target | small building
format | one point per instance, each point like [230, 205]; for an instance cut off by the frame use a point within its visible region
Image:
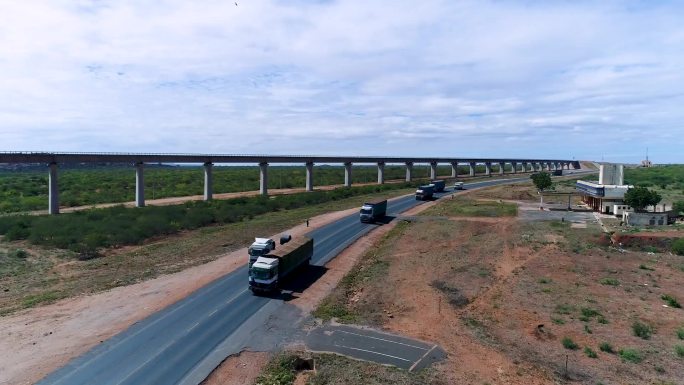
[606, 196]
[645, 219]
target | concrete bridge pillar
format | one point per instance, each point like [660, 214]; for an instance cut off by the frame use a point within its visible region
[381, 172]
[409, 171]
[488, 169]
[514, 167]
[433, 170]
[309, 176]
[454, 169]
[263, 178]
[208, 181]
[472, 168]
[139, 185]
[501, 168]
[53, 190]
[347, 174]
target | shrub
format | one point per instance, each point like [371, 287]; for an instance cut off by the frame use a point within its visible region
[679, 350]
[642, 330]
[631, 355]
[678, 246]
[568, 343]
[602, 320]
[606, 347]
[672, 301]
[680, 333]
[19, 253]
[590, 352]
[610, 281]
[589, 312]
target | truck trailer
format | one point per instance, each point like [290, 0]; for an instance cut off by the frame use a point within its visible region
[425, 192]
[268, 271]
[372, 211]
[439, 185]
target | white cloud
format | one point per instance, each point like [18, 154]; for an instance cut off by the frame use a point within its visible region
[546, 79]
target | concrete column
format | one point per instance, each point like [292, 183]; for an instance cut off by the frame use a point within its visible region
[433, 170]
[139, 185]
[208, 182]
[472, 168]
[454, 169]
[348, 174]
[381, 173]
[309, 176]
[514, 167]
[263, 178]
[488, 169]
[501, 168]
[409, 171]
[53, 190]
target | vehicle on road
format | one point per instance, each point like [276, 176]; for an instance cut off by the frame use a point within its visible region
[557, 172]
[260, 246]
[268, 271]
[373, 211]
[439, 185]
[458, 186]
[425, 192]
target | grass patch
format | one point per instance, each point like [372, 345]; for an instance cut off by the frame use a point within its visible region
[462, 207]
[631, 355]
[642, 330]
[42, 298]
[568, 343]
[606, 347]
[279, 371]
[558, 321]
[453, 294]
[545, 280]
[590, 352]
[610, 282]
[679, 351]
[680, 333]
[644, 267]
[671, 301]
[564, 309]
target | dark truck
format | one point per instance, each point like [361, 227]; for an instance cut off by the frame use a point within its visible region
[557, 172]
[372, 211]
[425, 192]
[268, 271]
[439, 185]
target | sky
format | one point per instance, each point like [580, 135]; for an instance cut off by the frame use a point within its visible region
[594, 80]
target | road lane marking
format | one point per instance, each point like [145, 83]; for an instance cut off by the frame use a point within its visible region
[421, 358]
[381, 339]
[370, 351]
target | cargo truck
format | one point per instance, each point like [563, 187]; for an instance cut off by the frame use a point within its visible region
[439, 185]
[425, 192]
[372, 211]
[268, 271]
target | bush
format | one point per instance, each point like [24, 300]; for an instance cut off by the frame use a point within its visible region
[606, 347]
[18, 253]
[679, 350]
[672, 301]
[631, 355]
[678, 246]
[590, 352]
[642, 330]
[610, 281]
[680, 333]
[568, 343]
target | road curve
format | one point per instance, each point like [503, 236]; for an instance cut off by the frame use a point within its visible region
[165, 347]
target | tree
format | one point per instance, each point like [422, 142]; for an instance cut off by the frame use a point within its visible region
[678, 207]
[641, 197]
[542, 180]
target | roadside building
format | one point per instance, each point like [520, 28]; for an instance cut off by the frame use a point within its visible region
[608, 194]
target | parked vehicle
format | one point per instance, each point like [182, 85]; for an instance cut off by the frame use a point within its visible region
[425, 192]
[260, 246]
[372, 211]
[458, 186]
[439, 185]
[268, 271]
[557, 172]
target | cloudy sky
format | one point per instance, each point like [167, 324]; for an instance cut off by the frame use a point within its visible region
[564, 79]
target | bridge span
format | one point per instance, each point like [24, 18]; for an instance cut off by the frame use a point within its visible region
[53, 159]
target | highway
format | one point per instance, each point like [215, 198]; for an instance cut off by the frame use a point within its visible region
[165, 347]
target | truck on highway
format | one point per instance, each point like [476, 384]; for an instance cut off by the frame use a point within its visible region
[439, 185]
[458, 186]
[268, 271]
[425, 192]
[260, 246]
[557, 172]
[372, 211]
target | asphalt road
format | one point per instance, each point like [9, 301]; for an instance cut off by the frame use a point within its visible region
[165, 347]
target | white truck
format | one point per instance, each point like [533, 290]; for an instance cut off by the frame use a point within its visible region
[458, 186]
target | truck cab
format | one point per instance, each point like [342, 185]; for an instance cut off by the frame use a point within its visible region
[260, 247]
[425, 192]
[263, 274]
[458, 186]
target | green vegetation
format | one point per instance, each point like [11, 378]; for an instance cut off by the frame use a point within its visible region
[568, 343]
[606, 347]
[644, 267]
[590, 352]
[641, 197]
[631, 355]
[678, 207]
[542, 180]
[85, 231]
[678, 246]
[279, 371]
[610, 282]
[672, 301]
[679, 350]
[680, 333]
[642, 330]
[27, 190]
[668, 181]
[462, 207]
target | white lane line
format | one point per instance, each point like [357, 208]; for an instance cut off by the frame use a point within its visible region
[193, 326]
[370, 351]
[421, 358]
[381, 339]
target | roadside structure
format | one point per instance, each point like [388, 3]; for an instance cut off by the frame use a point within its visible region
[608, 195]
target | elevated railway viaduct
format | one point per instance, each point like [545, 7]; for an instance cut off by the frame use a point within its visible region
[52, 160]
